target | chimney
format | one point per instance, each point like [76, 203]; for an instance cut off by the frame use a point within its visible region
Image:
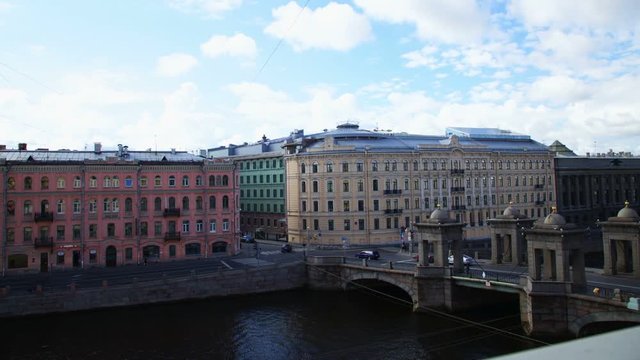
[97, 148]
[22, 146]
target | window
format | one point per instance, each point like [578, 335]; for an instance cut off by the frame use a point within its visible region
[225, 202]
[212, 226]
[128, 205]
[111, 230]
[93, 182]
[303, 168]
[128, 254]
[303, 187]
[128, 182]
[185, 203]
[359, 166]
[374, 166]
[345, 167]
[212, 202]
[27, 183]
[375, 185]
[185, 226]
[347, 224]
[360, 185]
[44, 183]
[144, 228]
[345, 186]
[314, 167]
[329, 167]
[143, 181]
[115, 205]
[330, 205]
[76, 206]
[225, 225]
[225, 180]
[11, 207]
[60, 232]
[199, 226]
[172, 180]
[315, 186]
[60, 206]
[330, 225]
[345, 205]
[157, 228]
[60, 258]
[27, 233]
[128, 229]
[93, 206]
[157, 181]
[198, 180]
[329, 186]
[172, 251]
[60, 183]
[199, 203]
[143, 204]
[157, 204]
[360, 205]
[106, 182]
[116, 182]
[185, 180]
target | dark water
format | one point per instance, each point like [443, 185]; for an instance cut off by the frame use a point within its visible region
[300, 324]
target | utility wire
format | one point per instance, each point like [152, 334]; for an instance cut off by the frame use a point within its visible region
[281, 40]
[31, 78]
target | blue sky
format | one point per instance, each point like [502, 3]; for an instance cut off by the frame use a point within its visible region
[194, 74]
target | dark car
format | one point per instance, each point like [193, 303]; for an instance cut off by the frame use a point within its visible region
[368, 254]
[247, 239]
[286, 248]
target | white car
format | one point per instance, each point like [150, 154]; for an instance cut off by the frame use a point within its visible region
[466, 260]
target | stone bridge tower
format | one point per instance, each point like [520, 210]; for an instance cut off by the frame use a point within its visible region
[508, 244]
[621, 242]
[556, 269]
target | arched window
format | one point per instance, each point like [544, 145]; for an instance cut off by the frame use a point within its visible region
[157, 204]
[106, 205]
[303, 187]
[303, 168]
[225, 180]
[212, 180]
[60, 183]
[199, 203]
[11, 183]
[315, 186]
[143, 204]
[44, 183]
[93, 182]
[314, 167]
[185, 180]
[106, 181]
[27, 183]
[128, 205]
[77, 182]
[172, 202]
[198, 180]
[115, 205]
[225, 202]
[212, 202]
[185, 203]
[116, 182]
[172, 180]
[28, 207]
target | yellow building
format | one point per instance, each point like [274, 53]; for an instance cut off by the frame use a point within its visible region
[354, 186]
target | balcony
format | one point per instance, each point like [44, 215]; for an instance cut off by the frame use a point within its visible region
[393, 211]
[457, 171]
[538, 186]
[43, 216]
[458, 207]
[43, 241]
[172, 236]
[393, 192]
[539, 202]
[171, 212]
[457, 189]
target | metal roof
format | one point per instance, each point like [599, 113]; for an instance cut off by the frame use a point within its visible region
[76, 156]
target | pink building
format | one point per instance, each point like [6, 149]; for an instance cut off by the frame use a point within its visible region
[68, 209]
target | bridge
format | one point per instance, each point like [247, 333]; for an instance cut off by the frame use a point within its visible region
[549, 308]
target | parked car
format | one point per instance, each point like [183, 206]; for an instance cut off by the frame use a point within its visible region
[368, 254]
[247, 239]
[466, 260]
[286, 248]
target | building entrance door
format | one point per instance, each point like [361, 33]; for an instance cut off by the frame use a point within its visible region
[44, 262]
[111, 256]
[76, 258]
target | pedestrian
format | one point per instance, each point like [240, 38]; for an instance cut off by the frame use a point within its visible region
[596, 291]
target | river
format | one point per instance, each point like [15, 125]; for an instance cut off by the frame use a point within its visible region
[298, 324]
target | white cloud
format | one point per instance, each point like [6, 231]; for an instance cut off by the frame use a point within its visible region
[213, 8]
[238, 45]
[610, 15]
[558, 90]
[423, 57]
[460, 22]
[175, 64]
[333, 27]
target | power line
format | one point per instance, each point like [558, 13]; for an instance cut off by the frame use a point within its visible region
[31, 78]
[281, 40]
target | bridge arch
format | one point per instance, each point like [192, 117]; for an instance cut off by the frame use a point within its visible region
[605, 316]
[407, 288]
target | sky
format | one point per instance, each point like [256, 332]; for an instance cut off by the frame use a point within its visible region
[198, 74]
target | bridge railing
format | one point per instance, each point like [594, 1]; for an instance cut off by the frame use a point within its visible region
[610, 293]
[512, 278]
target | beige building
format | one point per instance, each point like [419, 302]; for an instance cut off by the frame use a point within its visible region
[354, 186]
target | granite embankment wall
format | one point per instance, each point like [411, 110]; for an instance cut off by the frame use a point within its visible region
[166, 289]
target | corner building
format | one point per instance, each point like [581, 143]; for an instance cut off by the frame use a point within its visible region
[67, 209]
[355, 186]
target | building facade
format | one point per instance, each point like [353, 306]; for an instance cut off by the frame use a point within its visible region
[354, 186]
[262, 184]
[65, 209]
[595, 187]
